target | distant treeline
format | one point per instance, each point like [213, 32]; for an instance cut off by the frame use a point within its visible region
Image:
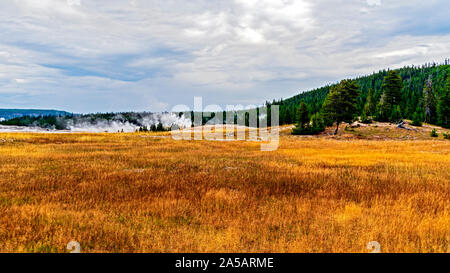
[421, 94]
[16, 113]
[57, 122]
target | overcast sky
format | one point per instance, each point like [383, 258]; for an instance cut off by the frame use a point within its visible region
[120, 55]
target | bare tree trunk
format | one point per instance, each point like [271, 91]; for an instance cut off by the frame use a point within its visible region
[337, 128]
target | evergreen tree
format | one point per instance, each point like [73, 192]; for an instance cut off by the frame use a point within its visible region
[391, 98]
[365, 118]
[302, 117]
[444, 106]
[417, 119]
[341, 103]
[429, 100]
[371, 105]
[396, 115]
[392, 88]
[369, 108]
[384, 109]
[160, 127]
[318, 124]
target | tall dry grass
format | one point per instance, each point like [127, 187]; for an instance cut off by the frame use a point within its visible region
[138, 193]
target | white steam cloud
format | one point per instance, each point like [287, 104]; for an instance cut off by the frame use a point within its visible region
[118, 123]
[111, 123]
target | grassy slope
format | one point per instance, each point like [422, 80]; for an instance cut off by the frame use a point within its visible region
[378, 131]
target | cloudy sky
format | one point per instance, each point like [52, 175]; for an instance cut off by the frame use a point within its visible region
[119, 55]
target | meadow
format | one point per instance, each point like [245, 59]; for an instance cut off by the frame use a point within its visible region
[144, 192]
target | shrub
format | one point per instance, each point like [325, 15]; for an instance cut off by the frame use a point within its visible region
[434, 133]
[301, 131]
[446, 135]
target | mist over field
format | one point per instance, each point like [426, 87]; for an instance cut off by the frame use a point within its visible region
[118, 122]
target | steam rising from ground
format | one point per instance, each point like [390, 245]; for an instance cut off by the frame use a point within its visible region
[96, 123]
[119, 122]
[101, 126]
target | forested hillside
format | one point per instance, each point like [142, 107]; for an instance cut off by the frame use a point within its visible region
[412, 102]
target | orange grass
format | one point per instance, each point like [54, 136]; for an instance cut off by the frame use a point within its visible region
[138, 193]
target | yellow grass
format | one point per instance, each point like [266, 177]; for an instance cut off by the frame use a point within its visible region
[138, 193]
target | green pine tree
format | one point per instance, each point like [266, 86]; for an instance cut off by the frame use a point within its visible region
[371, 105]
[429, 100]
[302, 117]
[417, 119]
[341, 104]
[365, 118]
[443, 109]
[396, 115]
[369, 108]
[384, 110]
[392, 88]
[160, 127]
[392, 94]
[318, 124]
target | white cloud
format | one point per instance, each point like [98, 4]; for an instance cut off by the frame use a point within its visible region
[373, 2]
[74, 2]
[20, 80]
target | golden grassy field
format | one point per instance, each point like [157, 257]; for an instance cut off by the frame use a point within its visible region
[140, 193]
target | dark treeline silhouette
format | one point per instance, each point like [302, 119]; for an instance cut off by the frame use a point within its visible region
[45, 121]
[15, 113]
[153, 128]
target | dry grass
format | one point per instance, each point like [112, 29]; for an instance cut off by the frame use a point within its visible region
[138, 193]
